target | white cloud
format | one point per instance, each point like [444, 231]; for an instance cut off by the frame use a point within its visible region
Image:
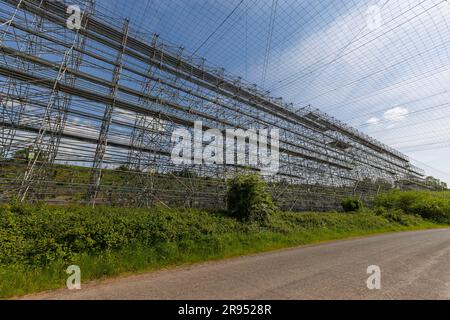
[373, 121]
[396, 114]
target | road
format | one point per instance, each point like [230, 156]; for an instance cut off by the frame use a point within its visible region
[414, 265]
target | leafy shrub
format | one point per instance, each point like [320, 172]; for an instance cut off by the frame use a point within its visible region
[433, 206]
[248, 199]
[352, 204]
[38, 235]
[12, 242]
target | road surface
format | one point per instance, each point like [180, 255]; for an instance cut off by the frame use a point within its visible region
[414, 265]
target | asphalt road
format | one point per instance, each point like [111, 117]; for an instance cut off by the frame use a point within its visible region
[414, 265]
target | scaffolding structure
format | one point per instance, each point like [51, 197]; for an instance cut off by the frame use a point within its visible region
[88, 114]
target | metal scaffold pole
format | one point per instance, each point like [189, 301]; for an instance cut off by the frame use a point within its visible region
[97, 165]
[43, 152]
[87, 115]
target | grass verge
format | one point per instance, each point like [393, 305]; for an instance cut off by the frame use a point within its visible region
[38, 243]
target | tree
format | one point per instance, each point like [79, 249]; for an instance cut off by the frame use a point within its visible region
[435, 183]
[27, 154]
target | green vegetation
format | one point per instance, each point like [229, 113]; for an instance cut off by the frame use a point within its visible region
[352, 205]
[27, 154]
[431, 205]
[248, 199]
[38, 243]
[435, 183]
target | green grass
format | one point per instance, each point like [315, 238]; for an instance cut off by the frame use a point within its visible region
[38, 243]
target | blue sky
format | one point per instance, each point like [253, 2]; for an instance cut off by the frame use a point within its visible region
[385, 72]
[388, 80]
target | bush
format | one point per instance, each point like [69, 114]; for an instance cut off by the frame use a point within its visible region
[38, 242]
[248, 199]
[39, 235]
[433, 206]
[352, 204]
